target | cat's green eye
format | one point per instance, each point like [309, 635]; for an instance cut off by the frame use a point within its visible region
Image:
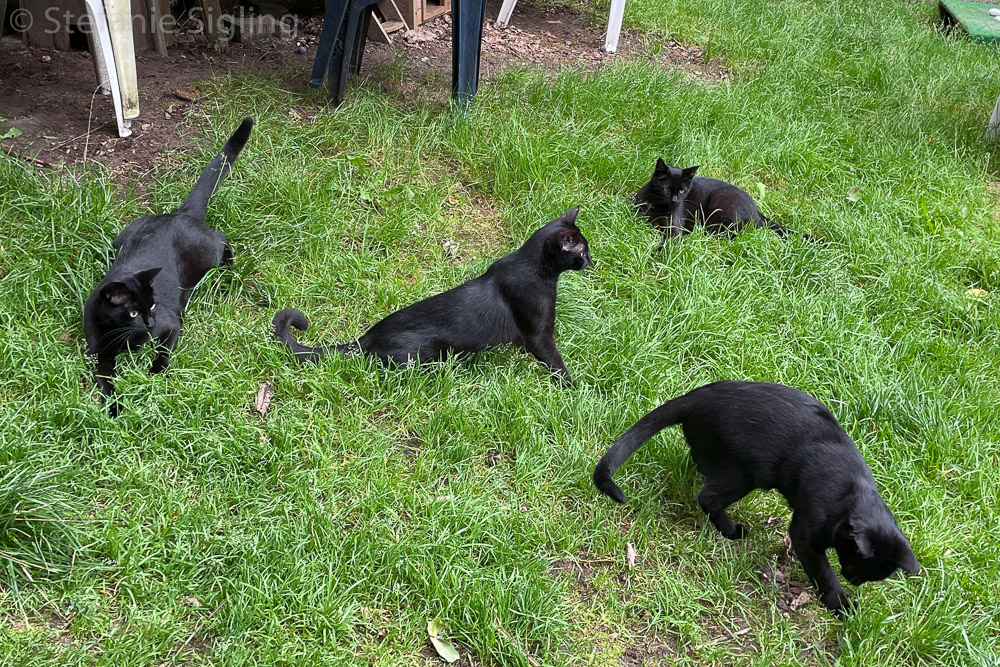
[134, 313]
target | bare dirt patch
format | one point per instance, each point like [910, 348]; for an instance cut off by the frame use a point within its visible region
[49, 95]
[649, 651]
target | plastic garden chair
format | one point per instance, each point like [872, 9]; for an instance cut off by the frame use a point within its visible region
[345, 31]
[111, 21]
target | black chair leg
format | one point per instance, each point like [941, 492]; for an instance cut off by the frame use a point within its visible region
[336, 12]
[361, 40]
[350, 39]
[467, 18]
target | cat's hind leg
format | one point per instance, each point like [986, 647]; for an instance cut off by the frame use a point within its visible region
[715, 497]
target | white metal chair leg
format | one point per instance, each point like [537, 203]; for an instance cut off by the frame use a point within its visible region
[993, 128]
[505, 11]
[614, 26]
[120, 23]
[99, 21]
[100, 65]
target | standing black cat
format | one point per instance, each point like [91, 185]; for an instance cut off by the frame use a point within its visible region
[755, 435]
[160, 260]
[513, 303]
[674, 199]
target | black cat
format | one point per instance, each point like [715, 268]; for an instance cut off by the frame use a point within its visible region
[513, 303]
[675, 199]
[160, 260]
[756, 435]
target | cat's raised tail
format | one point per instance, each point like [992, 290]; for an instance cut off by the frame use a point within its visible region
[668, 414]
[216, 172]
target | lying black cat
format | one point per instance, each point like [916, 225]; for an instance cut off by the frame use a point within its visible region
[513, 303]
[675, 199]
[160, 260]
[755, 435]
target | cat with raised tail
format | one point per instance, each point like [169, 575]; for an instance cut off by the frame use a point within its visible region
[756, 435]
[513, 303]
[674, 200]
[160, 260]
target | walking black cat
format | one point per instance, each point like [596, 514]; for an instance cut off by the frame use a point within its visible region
[160, 260]
[755, 435]
[513, 303]
[675, 199]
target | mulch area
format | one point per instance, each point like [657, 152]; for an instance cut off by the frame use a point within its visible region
[49, 97]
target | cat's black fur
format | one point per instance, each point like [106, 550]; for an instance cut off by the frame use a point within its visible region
[513, 303]
[675, 199]
[755, 435]
[160, 260]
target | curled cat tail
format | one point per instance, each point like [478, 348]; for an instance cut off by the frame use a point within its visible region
[289, 317]
[216, 172]
[668, 414]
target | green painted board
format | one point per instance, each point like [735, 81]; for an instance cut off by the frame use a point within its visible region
[974, 17]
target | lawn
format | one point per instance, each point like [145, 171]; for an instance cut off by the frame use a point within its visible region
[367, 502]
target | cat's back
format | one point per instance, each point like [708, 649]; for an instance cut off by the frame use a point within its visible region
[704, 187]
[762, 427]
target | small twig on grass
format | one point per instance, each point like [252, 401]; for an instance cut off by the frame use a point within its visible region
[37, 160]
[726, 637]
[87, 133]
[532, 661]
[196, 629]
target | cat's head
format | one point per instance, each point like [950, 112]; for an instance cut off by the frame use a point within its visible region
[565, 246]
[672, 183]
[128, 304]
[871, 547]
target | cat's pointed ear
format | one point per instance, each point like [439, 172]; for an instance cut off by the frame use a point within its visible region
[116, 293]
[690, 171]
[661, 166]
[569, 217]
[146, 277]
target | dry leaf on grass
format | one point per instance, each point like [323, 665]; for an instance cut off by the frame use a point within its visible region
[630, 555]
[264, 395]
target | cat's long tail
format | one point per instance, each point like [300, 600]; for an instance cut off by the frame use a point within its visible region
[216, 171]
[668, 414]
[289, 317]
[784, 232]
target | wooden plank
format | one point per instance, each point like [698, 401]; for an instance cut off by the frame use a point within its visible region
[386, 20]
[211, 14]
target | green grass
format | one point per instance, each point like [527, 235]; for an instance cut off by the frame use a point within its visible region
[368, 502]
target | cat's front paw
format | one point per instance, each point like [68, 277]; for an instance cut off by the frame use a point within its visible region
[839, 603]
[738, 532]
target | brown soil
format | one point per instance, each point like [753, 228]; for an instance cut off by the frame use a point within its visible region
[49, 95]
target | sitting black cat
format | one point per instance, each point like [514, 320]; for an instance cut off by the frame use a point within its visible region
[160, 260]
[513, 303]
[675, 199]
[755, 435]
